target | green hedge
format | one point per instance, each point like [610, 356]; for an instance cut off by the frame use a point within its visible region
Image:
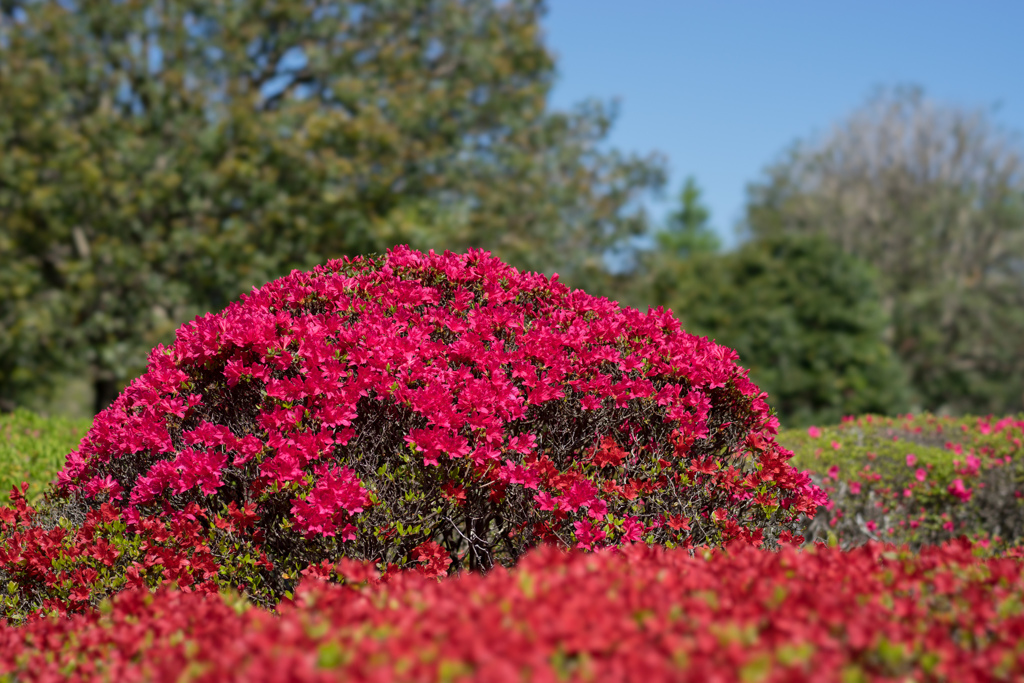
[33, 448]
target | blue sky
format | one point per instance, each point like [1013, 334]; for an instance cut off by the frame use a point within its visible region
[722, 88]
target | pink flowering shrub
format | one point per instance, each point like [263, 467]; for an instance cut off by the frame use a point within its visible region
[917, 480]
[440, 411]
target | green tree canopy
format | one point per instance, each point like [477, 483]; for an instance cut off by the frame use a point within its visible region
[686, 233]
[805, 318]
[933, 197]
[157, 159]
[687, 230]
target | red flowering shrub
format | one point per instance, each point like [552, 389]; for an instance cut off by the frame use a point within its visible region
[640, 613]
[441, 410]
[69, 568]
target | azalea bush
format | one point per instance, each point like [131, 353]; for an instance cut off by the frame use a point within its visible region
[916, 480]
[441, 411]
[60, 566]
[639, 613]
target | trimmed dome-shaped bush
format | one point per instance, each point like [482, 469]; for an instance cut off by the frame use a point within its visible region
[445, 411]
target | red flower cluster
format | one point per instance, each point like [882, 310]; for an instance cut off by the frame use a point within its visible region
[60, 570]
[639, 613]
[375, 406]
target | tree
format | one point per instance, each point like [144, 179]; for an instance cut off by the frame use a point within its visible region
[688, 231]
[159, 158]
[805, 318]
[933, 197]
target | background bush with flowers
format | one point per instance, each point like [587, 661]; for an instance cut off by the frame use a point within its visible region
[916, 480]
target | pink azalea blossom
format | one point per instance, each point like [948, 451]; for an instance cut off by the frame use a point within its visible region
[546, 502]
[597, 510]
[580, 494]
[632, 529]
[958, 489]
[587, 534]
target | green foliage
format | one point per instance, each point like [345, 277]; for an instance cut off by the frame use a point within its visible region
[33, 448]
[895, 479]
[805, 318]
[933, 198]
[158, 160]
[688, 231]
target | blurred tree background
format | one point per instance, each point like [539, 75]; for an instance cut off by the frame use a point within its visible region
[880, 268]
[932, 197]
[157, 159]
[805, 317]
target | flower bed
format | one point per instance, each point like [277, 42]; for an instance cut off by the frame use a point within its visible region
[641, 613]
[917, 480]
